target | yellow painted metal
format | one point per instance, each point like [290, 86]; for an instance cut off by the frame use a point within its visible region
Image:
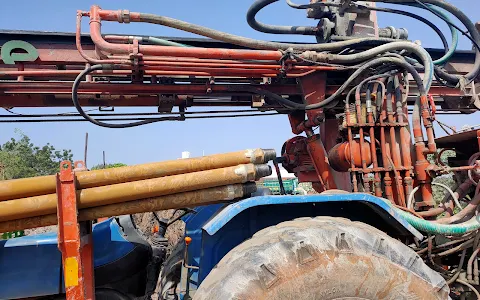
[180, 200]
[36, 186]
[71, 272]
[123, 192]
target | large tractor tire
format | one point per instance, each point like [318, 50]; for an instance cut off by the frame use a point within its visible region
[322, 258]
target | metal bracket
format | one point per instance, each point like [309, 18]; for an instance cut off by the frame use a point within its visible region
[74, 238]
[476, 99]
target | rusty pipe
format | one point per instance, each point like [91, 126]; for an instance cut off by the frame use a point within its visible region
[129, 191]
[358, 109]
[421, 164]
[405, 138]
[78, 42]
[373, 148]
[175, 201]
[383, 145]
[35, 186]
[95, 34]
[350, 141]
[318, 155]
[447, 204]
[394, 147]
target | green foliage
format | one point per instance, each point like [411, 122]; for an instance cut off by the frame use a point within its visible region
[20, 158]
[12, 235]
[108, 166]
[439, 192]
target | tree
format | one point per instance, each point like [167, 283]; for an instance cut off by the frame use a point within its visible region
[107, 166]
[20, 158]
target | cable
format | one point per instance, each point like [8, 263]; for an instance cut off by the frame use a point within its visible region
[338, 92]
[469, 286]
[465, 21]
[459, 269]
[450, 23]
[40, 115]
[75, 114]
[150, 120]
[312, 5]
[449, 50]
[252, 43]
[80, 110]
[455, 198]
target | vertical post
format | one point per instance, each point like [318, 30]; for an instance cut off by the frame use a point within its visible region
[104, 164]
[74, 239]
[86, 150]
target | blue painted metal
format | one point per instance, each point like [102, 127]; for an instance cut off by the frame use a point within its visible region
[224, 216]
[32, 265]
[217, 229]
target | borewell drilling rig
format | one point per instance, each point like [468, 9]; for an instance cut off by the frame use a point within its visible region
[361, 101]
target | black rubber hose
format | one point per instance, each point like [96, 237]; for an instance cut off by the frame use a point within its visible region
[80, 110]
[465, 21]
[256, 44]
[414, 16]
[311, 5]
[373, 63]
[275, 29]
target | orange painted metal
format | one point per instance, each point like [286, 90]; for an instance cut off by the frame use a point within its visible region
[478, 138]
[330, 135]
[340, 156]
[384, 150]
[96, 15]
[422, 164]
[377, 183]
[395, 150]
[320, 161]
[76, 247]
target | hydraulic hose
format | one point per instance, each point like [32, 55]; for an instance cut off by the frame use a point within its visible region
[80, 110]
[275, 29]
[453, 46]
[390, 47]
[252, 43]
[349, 81]
[450, 50]
[436, 228]
[465, 21]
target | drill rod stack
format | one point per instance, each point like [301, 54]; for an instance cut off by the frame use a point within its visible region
[32, 202]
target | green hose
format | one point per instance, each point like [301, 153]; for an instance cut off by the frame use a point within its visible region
[163, 42]
[454, 45]
[441, 229]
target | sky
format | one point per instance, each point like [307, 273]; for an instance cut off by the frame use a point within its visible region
[167, 140]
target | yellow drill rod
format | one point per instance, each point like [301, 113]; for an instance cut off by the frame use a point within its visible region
[123, 192]
[175, 201]
[36, 186]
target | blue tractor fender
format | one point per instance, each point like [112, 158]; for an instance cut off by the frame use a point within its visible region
[31, 266]
[216, 229]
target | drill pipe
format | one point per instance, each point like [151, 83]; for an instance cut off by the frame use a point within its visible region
[175, 201]
[36, 186]
[129, 191]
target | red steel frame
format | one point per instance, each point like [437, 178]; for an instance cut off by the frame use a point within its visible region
[74, 238]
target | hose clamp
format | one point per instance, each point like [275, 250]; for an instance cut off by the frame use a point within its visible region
[124, 16]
